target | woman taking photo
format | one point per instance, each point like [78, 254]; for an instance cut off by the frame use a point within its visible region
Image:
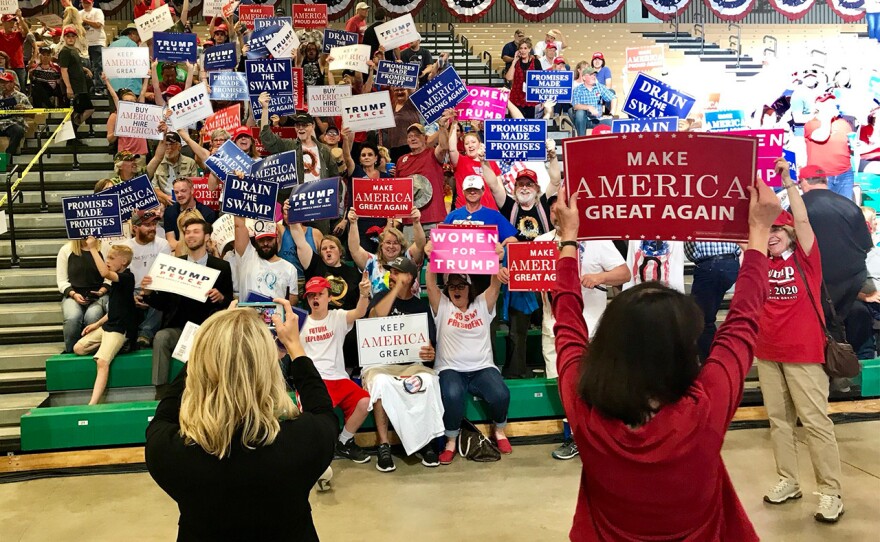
[644, 411]
[83, 288]
[790, 353]
[227, 423]
[516, 74]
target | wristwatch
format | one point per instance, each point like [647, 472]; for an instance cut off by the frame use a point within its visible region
[562, 244]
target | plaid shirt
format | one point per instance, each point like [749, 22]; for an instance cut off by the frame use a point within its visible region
[591, 96]
[700, 250]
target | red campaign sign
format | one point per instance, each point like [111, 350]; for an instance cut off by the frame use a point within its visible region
[226, 119]
[287, 132]
[247, 14]
[229, 9]
[769, 149]
[203, 194]
[383, 198]
[309, 16]
[670, 186]
[532, 266]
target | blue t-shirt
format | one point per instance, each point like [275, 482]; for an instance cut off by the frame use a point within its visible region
[482, 216]
[131, 83]
[604, 75]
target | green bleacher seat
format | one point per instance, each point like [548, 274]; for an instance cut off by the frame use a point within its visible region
[869, 378]
[71, 372]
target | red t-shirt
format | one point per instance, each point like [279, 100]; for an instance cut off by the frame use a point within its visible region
[833, 155]
[357, 25]
[468, 166]
[12, 44]
[425, 163]
[789, 330]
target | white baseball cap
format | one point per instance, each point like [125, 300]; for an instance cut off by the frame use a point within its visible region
[472, 181]
[361, 5]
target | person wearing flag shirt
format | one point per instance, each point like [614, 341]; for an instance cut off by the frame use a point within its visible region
[468, 163]
[358, 22]
[12, 126]
[129, 37]
[12, 42]
[523, 62]
[45, 75]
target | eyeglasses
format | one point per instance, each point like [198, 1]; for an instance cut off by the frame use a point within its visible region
[220, 139]
[457, 286]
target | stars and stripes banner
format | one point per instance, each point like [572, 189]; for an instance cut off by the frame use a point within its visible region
[336, 9]
[400, 7]
[468, 11]
[792, 9]
[848, 10]
[534, 10]
[600, 10]
[665, 9]
[731, 10]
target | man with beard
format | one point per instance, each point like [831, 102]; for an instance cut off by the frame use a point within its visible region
[260, 271]
[427, 161]
[183, 194]
[176, 309]
[145, 248]
[168, 165]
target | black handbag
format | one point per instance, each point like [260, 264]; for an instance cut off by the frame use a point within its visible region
[841, 360]
[474, 445]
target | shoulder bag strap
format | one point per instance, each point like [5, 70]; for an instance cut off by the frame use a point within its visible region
[812, 299]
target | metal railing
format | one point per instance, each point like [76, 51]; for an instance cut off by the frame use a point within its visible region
[673, 23]
[823, 54]
[468, 53]
[774, 48]
[700, 30]
[14, 260]
[735, 40]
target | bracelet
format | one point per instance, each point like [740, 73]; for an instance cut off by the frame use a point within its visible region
[563, 244]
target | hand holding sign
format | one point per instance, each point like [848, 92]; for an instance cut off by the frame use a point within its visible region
[567, 219]
[287, 329]
[764, 208]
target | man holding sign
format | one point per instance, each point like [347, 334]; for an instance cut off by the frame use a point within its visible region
[262, 274]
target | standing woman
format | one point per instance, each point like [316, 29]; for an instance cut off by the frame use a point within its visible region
[523, 61]
[467, 163]
[227, 423]
[790, 353]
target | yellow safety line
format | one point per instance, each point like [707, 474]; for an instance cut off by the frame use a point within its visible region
[33, 111]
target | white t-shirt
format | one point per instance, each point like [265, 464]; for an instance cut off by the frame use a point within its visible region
[94, 36]
[144, 255]
[596, 257]
[463, 338]
[662, 261]
[311, 163]
[322, 341]
[271, 279]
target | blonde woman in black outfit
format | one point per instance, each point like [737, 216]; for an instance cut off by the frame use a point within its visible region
[227, 442]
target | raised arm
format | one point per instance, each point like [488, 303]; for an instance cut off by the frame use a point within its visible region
[554, 172]
[242, 237]
[106, 273]
[303, 251]
[417, 248]
[494, 288]
[154, 78]
[190, 70]
[184, 13]
[347, 138]
[431, 286]
[355, 250]
[383, 307]
[452, 144]
[802, 228]
[493, 181]
[201, 153]
[360, 310]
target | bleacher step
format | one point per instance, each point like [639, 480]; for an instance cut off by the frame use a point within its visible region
[22, 381]
[14, 405]
[32, 334]
[28, 357]
[15, 315]
[24, 278]
[35, 247]
[31, 295]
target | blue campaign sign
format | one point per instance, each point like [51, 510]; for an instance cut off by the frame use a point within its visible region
[134, 194]
[516, 139]
[338, 38]
[221, 57]
[279, 168]
[650, 97]
[228, 159]
[249, 197]
[279, 104]
[397, 74]
[274, 76]
[94, 215]
[174, 47]
[263, 22]
[542, 85]
[722, 121]
[314, 200]
[439, 94]
[228, 86]
[791, 158]
[660, 124]
[259, 38]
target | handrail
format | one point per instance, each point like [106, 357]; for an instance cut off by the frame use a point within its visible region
[699, 29]
[814, 52]
[774, 48]
[44, 206]
[673, 22]
[736, 39]
[488, 64]
[14, 260]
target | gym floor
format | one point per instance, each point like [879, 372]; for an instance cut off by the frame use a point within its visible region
[526, 496]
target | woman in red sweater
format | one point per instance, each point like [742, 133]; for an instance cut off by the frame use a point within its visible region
[648, 417]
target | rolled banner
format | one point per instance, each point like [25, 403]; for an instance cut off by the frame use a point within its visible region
[336, 9]
[600, 10]
[731, 10]
[400, 7]
[534, 10]
[468, 11]
[665, 9]
[848, 10]
[792, 9]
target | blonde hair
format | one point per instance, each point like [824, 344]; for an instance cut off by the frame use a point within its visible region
[401, 238]
[870, 217]
[233, 384]
[77, 248]
[123, 252]
[73, 18]
[185, 214]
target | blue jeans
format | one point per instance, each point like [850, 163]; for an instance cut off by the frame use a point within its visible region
[77, 317]
[485, 383]
[712, 279]
[583, 120]
[95, 58]
[873, 20]
[842, 184]
[152, 322]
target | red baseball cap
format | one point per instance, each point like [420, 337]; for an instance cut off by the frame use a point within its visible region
[9, 77]
[527, 174]
[550, 44]
[601, 129]
[241, 131]
[221, 28]
[784, 219]
[69, 30]
[810, 172]
[598, 55]
[559, 60]
[8, 17]
[316, 285]
[172, 90]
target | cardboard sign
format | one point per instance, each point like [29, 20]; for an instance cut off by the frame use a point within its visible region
[136, 193]
[469, 250]
[310, 16]
[287, 132]
[212, 8]
[228, 86]
[226, 119]
[190, 106]
[126, 62]
[516, 139]
[229, 8]
[249, 197]
[174, 47]
[661, 124]
[723, 121]
[397, 74]
[439, 94]
[182, 277]
[316, 200]
[483, 103]
[258, 41]
[532, 266]
[223, 230]
[645, 58]
[366, 112]
[397, 32]
[338, 38]
[382, 198]
[221, 57]
[769, 149]
[392, 339]
[791, 158]
[228, 159]
[350, 57]
[670, 186]
[8, 7]
[650, 97]
[202, 193]
[284, 43]
[542, 85]
[279, 168]
[263, 22]
[324, 100]
[247, 13]
[157, 20]
[94, 215]
[184, 344]
[135, 119]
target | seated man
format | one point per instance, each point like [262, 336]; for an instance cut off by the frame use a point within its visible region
[12, 126]
[406, 394]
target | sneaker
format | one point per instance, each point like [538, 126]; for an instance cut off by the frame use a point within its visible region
[385, 463]
[352, 451]
[784, 490]
[429, 456]
[568, 450]
[830, 508]
[446, 456]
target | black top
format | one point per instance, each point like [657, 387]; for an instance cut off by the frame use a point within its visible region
[372, 39]
[177, 310]
[83, 274]
[345, 280]
[169, 218]
[422, 56]
[260, 494]
[69, 58]
[413, 305]
[841, 232]
[528, 223]
[121, 310]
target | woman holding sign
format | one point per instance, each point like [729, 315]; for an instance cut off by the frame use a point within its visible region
[83, 289]
[134, 145]
[468, 163]
[516, 74]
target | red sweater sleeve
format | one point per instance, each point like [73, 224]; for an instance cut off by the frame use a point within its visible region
[723, 375]
[570, 329]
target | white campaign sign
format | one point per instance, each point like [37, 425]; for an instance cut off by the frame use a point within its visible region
[284, 42]
[182, 277]
[213, 8]
[8, 7]
[126, 62]
[139, 120]
[393, 339]
[190, 106]
[158, 20]
[350, 57]
[324, 100]
[224, 230]
[366, 112]
[185, 342]
[397, 32]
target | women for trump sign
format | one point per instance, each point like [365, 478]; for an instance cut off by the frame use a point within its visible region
[672, 186]
[464, 249]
